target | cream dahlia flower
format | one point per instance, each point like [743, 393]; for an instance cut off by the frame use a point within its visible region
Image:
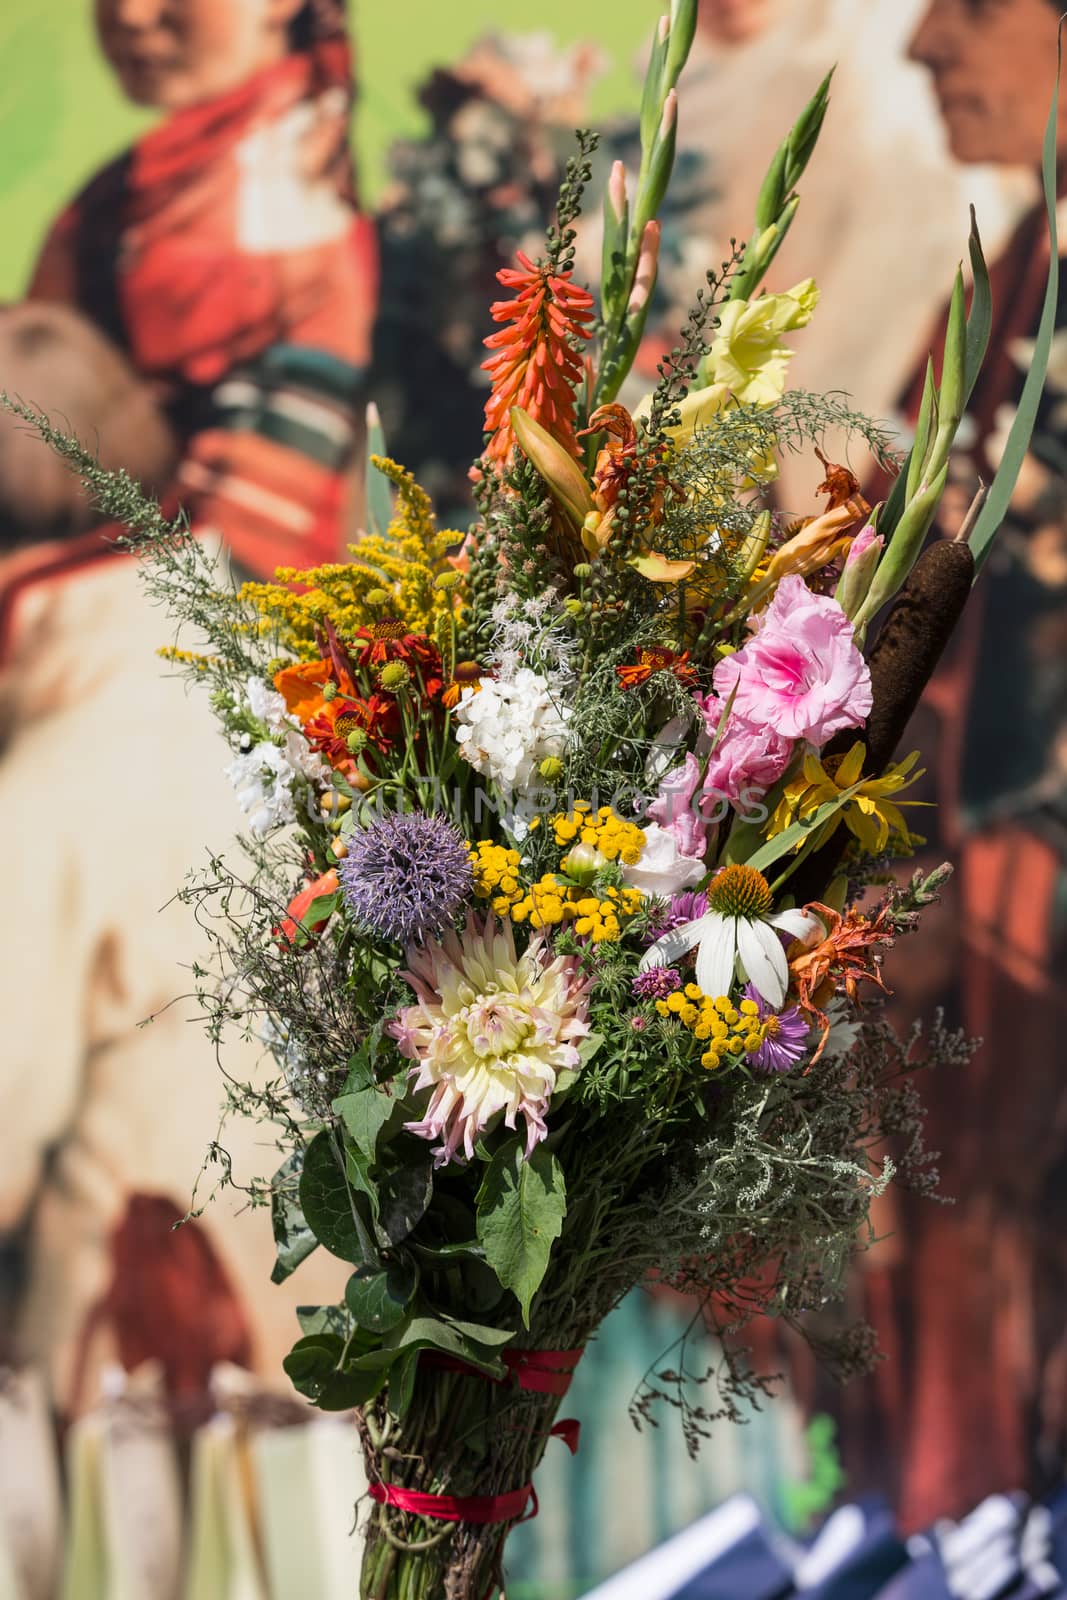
[490, 1031]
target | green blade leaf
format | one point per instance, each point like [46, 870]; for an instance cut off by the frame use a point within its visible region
[980, 321]
[1003, 486]
[799, 832]
[379, 490]
[521, 1206]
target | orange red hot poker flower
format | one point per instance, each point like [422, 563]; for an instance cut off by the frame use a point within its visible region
[536, 362]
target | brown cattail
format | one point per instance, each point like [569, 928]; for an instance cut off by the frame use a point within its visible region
[911, 643]
[903, 661]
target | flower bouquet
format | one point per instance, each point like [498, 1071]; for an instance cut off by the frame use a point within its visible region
[566, 877]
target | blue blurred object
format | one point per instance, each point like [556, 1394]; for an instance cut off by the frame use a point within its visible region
[1007, 1548]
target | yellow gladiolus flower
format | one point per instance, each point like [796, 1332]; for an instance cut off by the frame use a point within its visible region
[871, 814]
[747, 356]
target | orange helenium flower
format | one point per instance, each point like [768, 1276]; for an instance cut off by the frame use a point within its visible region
[536, 362]
[652, 658]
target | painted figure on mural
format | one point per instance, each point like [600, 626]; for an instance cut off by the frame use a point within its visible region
[969, 1300]
[219, 283]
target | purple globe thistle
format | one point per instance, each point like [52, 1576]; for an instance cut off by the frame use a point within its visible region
[406, 875]
[657, 983]
[786, 1039]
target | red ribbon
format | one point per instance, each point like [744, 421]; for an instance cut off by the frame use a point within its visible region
[568, 1429]
[539, 1371]
[481, 1508]
[543, 1371]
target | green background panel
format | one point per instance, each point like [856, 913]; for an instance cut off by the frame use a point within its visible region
[61, 116]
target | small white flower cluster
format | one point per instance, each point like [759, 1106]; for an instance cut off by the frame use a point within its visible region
[509, 726]
[268, 707]
[263, 779]
[533, 634]
[264, 775]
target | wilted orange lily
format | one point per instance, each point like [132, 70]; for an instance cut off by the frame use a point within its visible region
[300, 905]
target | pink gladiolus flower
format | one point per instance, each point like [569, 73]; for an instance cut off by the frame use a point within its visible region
[800, 674]
[863, 542]
[674, 810]
[747, 759]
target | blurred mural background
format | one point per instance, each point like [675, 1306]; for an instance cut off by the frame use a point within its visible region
[273, 251]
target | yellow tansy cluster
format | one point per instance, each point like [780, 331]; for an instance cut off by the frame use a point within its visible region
[550, 901]
[611, 835]
[730, 1030]
[496, 875]
[390, 575]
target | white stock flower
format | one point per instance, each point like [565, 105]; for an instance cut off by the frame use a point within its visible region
[263, 779]
[268, 707]
[508, 727]
[662, 869]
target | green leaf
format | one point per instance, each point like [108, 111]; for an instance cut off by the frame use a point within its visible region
[799, 832]
[314, 1368]
[402, 1383]
[403, 1197]
[364, 1113]
[379, 489]
[521, 1207]
[292, 1235]
[468, 1249]
[465, 1341]
[328, 1203]
[980, 321]
[360, 1072]
[1003, 486]
[564, 478]
[379, 1300]
[324, 1319]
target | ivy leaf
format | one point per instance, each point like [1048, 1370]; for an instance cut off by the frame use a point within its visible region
[314, 1368]
[329, 1203]
[404, 1195]
[402, 1383]
[360, 1067]
[324, 1319]
[472, 1342]
[364, 1113]
[521, 1206]
[379, 1300]
[292, 1235]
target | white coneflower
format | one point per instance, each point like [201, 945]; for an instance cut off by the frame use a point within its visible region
[737, 930]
